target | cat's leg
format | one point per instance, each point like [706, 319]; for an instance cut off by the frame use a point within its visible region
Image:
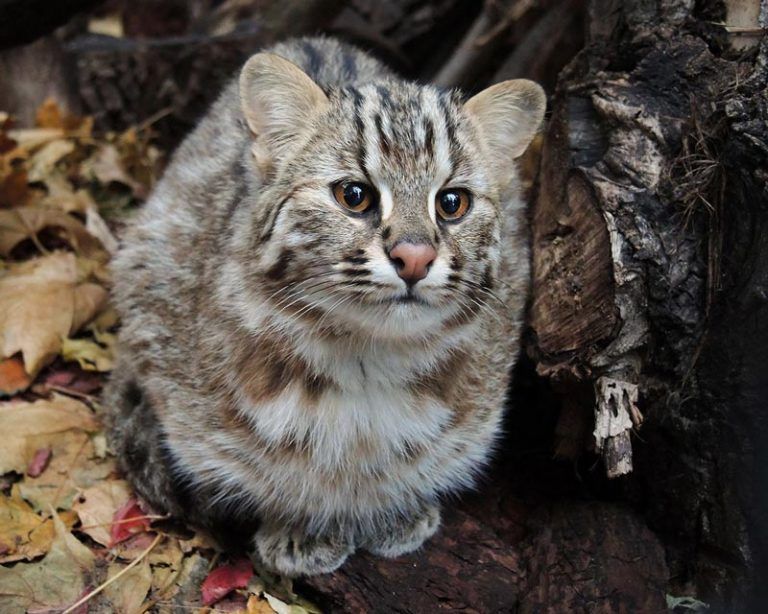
[292, 552]
[406, 533]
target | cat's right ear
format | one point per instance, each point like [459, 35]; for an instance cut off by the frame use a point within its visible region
[279, 102]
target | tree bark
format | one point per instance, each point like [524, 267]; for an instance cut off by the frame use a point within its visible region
[650, 269]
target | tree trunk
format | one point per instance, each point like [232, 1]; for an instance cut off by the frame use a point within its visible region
[650, 272]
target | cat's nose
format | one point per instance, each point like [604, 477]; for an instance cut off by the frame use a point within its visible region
[412, 260]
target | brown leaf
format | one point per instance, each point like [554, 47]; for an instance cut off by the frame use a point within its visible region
[25, 426]
[50, 115]
[128, 592]
[55, 582]
[13, 188]
[97, 506]
[75, 465]
[42, 302]
[22, 223]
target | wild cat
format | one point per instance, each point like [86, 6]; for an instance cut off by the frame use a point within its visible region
[321, 304]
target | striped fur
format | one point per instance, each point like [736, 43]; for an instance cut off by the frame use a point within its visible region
[279, 377]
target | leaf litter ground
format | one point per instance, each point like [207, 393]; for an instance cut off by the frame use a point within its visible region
[73, 538]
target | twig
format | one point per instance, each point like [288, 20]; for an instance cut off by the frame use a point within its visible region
[127, 520]
[480, 41]
[104, 585]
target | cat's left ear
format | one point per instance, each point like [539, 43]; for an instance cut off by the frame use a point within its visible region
[508, 116]
[279, 102]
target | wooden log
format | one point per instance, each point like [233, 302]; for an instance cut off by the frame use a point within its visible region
[652, 202]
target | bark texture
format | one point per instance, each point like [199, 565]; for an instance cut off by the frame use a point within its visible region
[650, 278]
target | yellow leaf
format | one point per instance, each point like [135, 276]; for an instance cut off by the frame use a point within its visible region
[42, 302]
[96, 508]
[22, 422]
[128, 592]
[23, 533]
[89, 355]
[55, 582]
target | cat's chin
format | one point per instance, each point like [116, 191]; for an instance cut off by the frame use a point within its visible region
[400, 317]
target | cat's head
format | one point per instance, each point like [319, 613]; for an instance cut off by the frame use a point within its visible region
[381, 206]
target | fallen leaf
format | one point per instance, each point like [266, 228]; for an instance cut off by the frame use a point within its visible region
[128, 592]
[98, 228]
[257, 605]
[22, 223]
[72, 379]
[55, 582]
[106, 166]
[22, 423]
[128, 520]
[278, 605]
[39, 462]
[96, 508]
[13, 187]
[41, 302]
[23, 533]
[224, 579]
[42, 163]
[88, 354]
[51, 115]
[31, 139]
[13, 377]
[74, 466]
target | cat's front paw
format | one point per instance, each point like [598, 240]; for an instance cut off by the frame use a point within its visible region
[292, 553]
[406, 535]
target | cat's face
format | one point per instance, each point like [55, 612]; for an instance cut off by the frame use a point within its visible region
[384, 213]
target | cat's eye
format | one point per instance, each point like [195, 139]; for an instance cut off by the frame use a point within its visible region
[355, 196]
[452, 204]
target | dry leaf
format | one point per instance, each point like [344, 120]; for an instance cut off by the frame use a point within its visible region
[128, 592]
[42, 163]
[74, 466]
[13, 377]
[23, 533]
[30, 139]
[13, 187]
[89, 355]
[225, 579]
[24, 425]
[106, 166]
[97, 506]
[22, 223]
[42, 302]
[55, 582]
[257, 605]
[50, 115]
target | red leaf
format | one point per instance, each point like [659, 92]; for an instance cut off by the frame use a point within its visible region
[122, 524]
[223, 580]
[39, 462]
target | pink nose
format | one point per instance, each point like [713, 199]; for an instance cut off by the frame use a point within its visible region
[412, 260]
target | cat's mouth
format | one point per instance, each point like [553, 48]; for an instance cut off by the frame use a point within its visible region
[406, 298]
